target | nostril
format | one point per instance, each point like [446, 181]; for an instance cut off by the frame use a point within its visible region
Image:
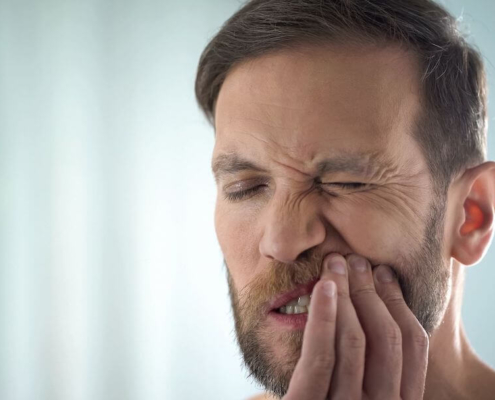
[305, 255]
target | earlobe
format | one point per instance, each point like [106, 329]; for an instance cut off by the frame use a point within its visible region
[475, 229]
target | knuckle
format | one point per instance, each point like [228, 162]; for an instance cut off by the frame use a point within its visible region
[418, 337]
[354, 340]
[328, 320]
[322, 362]
[393, 299]
[343, 295]
[393, 334]
[363, 291]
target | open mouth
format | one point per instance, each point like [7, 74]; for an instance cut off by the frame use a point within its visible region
[297, 306]
[297, 301]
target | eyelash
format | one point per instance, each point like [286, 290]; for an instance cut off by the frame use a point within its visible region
[241, 194]
[236, 196]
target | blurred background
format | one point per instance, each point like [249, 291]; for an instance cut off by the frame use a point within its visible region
[111, 279]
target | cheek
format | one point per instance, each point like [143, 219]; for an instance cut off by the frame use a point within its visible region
[236, 234]
[373, 232]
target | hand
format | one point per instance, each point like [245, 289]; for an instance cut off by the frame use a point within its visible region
[362, 344]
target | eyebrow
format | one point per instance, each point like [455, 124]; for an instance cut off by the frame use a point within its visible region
[230, 164]
[360, 165]
[363, 165]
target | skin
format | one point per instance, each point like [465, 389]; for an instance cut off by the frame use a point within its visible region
[286, 112]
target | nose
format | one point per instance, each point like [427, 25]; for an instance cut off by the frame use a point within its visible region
[289, 232]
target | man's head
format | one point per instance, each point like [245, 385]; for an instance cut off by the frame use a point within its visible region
[340, 126]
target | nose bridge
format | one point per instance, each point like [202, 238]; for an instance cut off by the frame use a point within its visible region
[291, 226]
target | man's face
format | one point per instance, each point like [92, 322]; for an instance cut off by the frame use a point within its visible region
[291, 128]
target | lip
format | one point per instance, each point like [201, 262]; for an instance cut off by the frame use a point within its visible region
[288, 321]
[299, 291]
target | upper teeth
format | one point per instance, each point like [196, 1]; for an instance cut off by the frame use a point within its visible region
[297, 306]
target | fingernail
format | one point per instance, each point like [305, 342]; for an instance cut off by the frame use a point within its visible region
[329, 288]
[336, 264]
[358, 264]
[384, 274]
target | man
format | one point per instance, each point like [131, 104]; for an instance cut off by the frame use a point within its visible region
[353, 192]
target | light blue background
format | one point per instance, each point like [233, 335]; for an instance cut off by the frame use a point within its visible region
[111, 279]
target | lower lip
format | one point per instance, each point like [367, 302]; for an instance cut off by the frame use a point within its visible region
[290, 321]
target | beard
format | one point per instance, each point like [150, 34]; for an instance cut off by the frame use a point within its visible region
[422, 274]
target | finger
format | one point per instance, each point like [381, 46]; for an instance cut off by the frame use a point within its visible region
[311, 377]
[382, 377]
[414, 337]
[347, 380]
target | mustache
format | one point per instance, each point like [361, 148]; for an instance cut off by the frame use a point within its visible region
[276, 279]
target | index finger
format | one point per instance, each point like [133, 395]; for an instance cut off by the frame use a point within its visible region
[313, 372]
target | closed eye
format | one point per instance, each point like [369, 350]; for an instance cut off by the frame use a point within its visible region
[337, 188]
[246, 193]
[346, 185]
[242, 194]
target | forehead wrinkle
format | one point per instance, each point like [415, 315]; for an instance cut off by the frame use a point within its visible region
[368, 165]
[279, 154]
[296, 171]
[277, 148]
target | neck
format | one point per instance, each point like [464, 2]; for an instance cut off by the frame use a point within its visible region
[454, 370]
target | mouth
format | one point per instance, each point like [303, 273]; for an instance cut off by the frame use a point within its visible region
[297, 301]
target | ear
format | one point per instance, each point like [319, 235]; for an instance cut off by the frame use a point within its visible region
[474, 223]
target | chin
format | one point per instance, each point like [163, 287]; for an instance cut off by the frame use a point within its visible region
[271, 357]
[285, 345]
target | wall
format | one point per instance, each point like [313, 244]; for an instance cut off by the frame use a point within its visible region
[111, 279]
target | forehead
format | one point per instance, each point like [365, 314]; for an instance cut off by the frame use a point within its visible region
[309, 103]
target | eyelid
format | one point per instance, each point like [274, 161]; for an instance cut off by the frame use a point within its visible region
[257, 185]
[244, 184]
[239, 195]
[244, 189]
[343, 188]
[346, 184]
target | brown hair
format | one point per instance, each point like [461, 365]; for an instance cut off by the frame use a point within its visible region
[452, 128]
